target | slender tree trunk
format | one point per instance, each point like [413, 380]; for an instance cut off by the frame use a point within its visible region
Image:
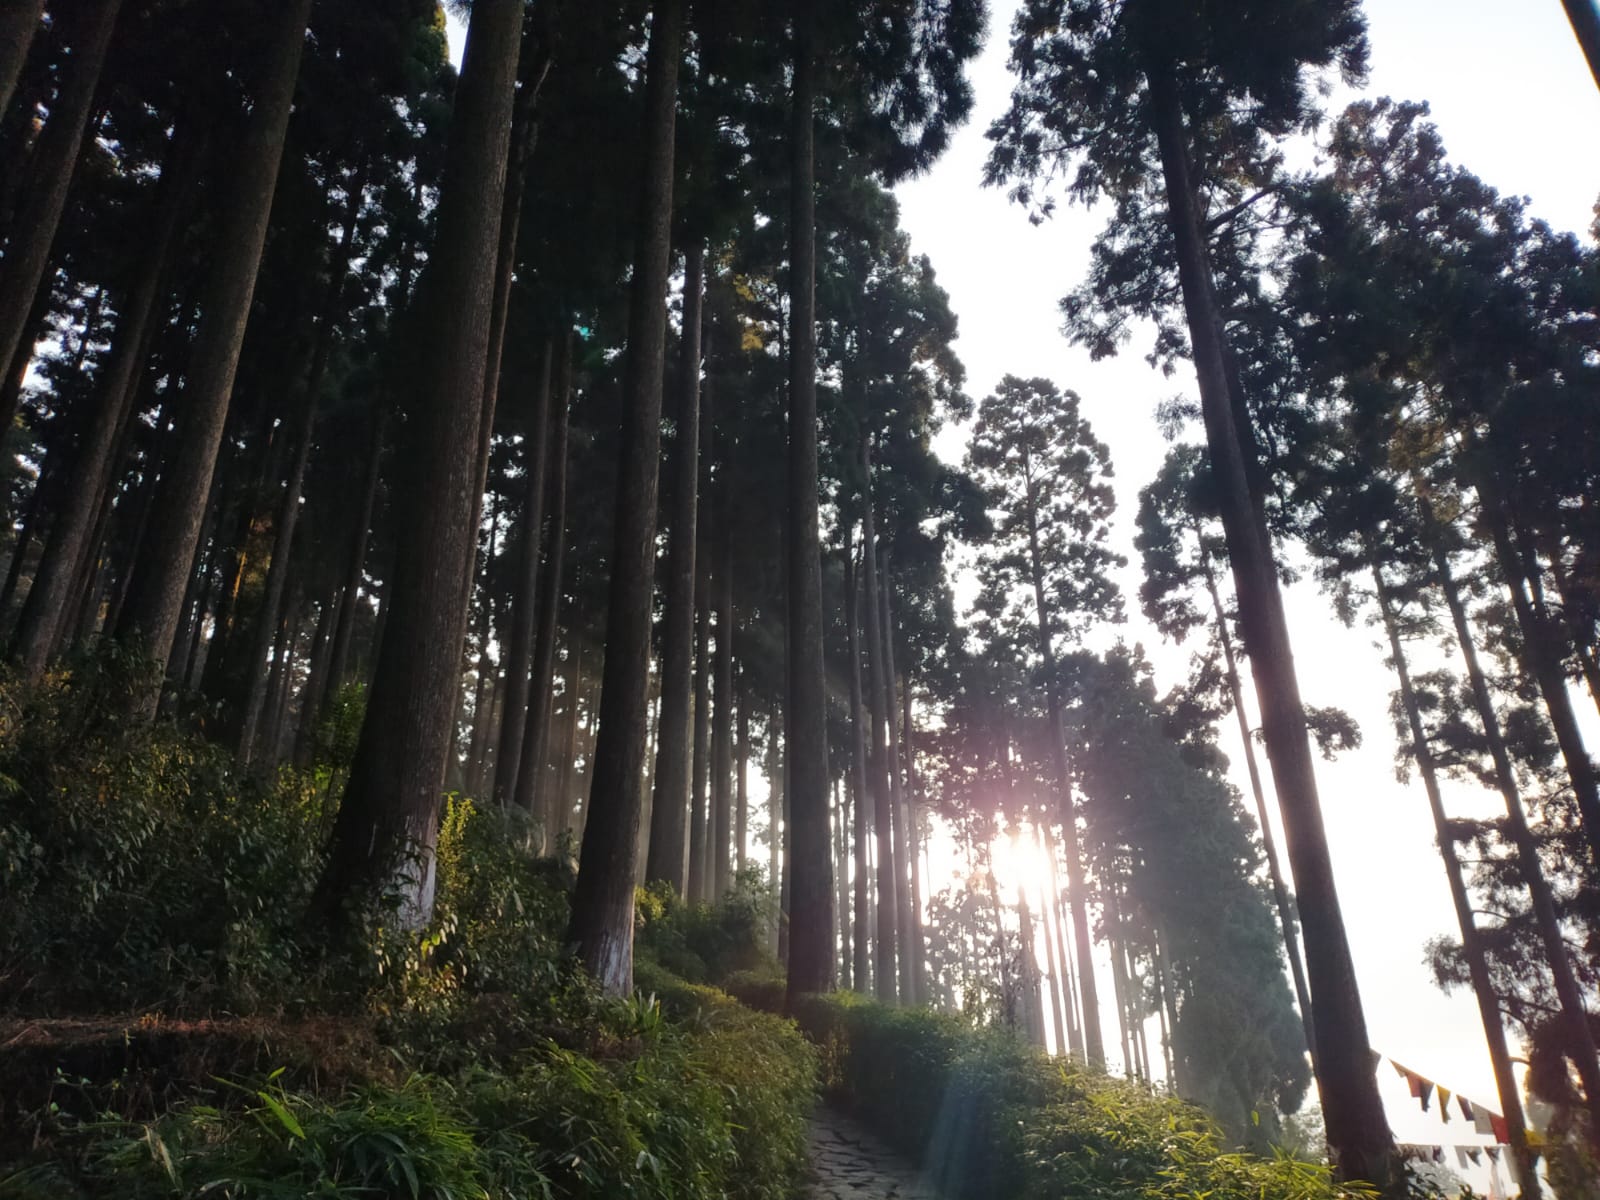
[63, 562]
[1573, 1012]
[841, 875]
[1585, 20]
[560, 811]
[741, 795]
[1033, 993]
[53, 161]
[1077, 889]
[391, 804]
[1166, 1011]
[1494, 1033]
[524, 612]
[355, 563]
[810, 959]
[1579, 627]
[1543, 656]
[908, 749]
[1280, 893]
[858, 767]
[1054, 962]
[532, 780]
[906, 960]
[1069, 997]
[602, 907]
[1358, 1131]
[19, 21]
[774, 826]
[671, 801]
[700, 761]
[288, 515]
[721, 856]
[885, 975]
[162, 573]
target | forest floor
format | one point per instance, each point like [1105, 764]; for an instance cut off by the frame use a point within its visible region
[848, 1163]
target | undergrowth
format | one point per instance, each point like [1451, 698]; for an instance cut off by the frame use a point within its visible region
[170, 1028]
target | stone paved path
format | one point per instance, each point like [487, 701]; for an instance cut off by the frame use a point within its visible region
[848, 1163]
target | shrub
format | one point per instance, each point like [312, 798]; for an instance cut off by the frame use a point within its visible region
[708, 943]
[989, 1116]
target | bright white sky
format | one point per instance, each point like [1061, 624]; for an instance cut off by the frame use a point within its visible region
[1515, 103]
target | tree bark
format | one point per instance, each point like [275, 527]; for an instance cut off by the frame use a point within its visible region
[1069, 997]
[1573, 1012]
[741, 794]
[355, 567]
[906, 957]
[161, 575]
[54, 160]
[288, 515]
[524, 611]
[908, 747]
[700, 758]
[532, 779]
[391, 805]
[810, 963]
[1585, 20]
[665, 860]
[1280, 893]
[1494, 1033]
[19, 21]
[1358, 1131]
[858, 767]
[721, 856]
[1543, 656]
[63, 563]
[602, 906]
[1055, 961]
[885, 975]
[1077, 888]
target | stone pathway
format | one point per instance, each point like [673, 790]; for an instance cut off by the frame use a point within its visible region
[848, 1163]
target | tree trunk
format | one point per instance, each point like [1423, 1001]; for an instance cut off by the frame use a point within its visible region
[741, 795]
[524, 611]
[1054, 961]
[62, 565]
[532, 780]
[806, 736]
[774, 827]
[602, 907]
[720, 859]
[1494, 1033]
[885, 976]
[665, 860]
[1573, 1013]
[54, 159]
[1358, 1131]
[560, 809]
[906, 958]
[288, 515]
[1543, 656]
[1585, 20]
[908, 750]
[1077, 889]
[355, 563]
[858, 767]
[841, 875]
[162, 573]
[700, 759]
[1280, 893]
[1069, 997]
[19, 21]
[391, 804]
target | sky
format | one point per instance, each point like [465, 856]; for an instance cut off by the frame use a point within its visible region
[1515, 103]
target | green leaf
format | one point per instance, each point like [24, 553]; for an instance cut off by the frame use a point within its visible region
[285, 1117]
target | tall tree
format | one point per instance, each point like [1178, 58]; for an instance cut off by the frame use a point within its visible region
[602, 907]
[1137, 95]
[161, 575]
[388, 822]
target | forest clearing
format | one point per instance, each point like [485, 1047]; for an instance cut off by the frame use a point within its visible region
[546, 650]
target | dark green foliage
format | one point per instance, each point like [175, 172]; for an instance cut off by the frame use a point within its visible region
[706, 943]
[139, 867]
[988, 1117]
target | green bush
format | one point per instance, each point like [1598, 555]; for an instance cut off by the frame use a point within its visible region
[708, 943]
[137, 867]
[988, 1116]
